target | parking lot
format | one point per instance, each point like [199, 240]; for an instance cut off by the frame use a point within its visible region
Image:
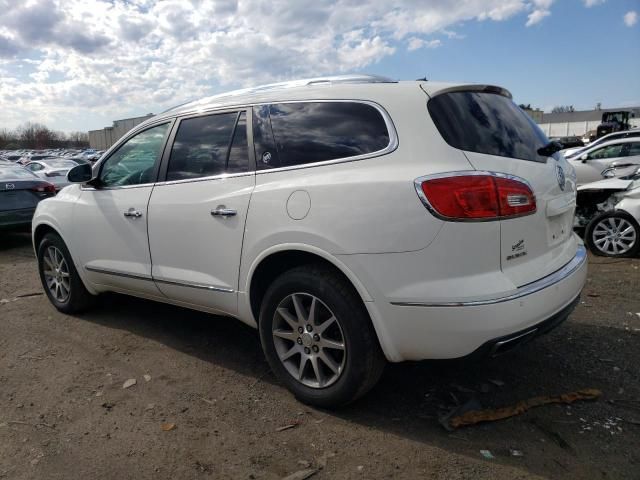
[205, 404]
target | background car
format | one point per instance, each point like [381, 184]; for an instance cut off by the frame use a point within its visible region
[53, 170]
[571, 152]
[619, 157]
[568, 142]
[609, 213]
[20, 193]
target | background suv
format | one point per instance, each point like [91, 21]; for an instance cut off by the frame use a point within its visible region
[352, 220]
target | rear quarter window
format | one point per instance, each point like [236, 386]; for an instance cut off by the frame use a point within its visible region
[310, 132]
[487, 123]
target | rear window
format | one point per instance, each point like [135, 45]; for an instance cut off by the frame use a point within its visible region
[15, 173]
[487, 123]
[309, 132]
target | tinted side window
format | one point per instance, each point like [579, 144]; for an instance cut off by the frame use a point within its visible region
[634, 149]
[319, 131]
[135, 161]
[487, 123]
[611, 151]
[201, 146]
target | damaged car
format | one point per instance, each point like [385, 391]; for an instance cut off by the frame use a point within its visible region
[608, 211]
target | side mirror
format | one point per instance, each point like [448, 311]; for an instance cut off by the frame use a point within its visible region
[609, 172]
[584, 158]
[80, 173]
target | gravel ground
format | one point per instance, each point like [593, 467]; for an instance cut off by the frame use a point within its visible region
[64, 413]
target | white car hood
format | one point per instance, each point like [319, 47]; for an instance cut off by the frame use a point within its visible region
[607, 184]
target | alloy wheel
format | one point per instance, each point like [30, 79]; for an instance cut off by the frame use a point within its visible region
[309, 340]
[56, 274]
[614, 236]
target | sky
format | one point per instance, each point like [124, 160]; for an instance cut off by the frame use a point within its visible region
[80, 64]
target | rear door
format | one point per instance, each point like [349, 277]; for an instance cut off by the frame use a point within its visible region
[497, 136]
[197, 214]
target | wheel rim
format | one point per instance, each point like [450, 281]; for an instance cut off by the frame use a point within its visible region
[614, 236]
[56, 274]
[309, 340]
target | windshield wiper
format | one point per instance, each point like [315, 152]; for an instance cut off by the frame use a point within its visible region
[549, 149]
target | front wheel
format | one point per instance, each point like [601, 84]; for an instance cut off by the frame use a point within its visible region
[59, 276]
[613, 234]
[318, 337]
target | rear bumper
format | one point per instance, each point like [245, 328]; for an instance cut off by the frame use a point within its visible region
[417, 331]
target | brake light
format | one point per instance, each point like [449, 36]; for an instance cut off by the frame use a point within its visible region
[44, 187]
[483, 196]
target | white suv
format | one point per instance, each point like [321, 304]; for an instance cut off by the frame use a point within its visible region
[350, 219]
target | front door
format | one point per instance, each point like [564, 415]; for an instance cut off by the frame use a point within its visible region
[110, 218]
[197, 215]
[590, 169]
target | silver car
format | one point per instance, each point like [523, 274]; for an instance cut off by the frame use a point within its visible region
[52, 170]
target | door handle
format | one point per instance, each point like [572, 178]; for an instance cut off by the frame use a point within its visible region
[132, 212]
[222, 211]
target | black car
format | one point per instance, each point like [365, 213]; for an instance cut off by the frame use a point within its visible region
[569, 142]
[20, 192]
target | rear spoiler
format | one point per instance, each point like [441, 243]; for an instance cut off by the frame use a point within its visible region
[475, 88]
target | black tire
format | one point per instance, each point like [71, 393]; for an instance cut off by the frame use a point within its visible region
[78, 298]
[362, 359]
[616, 216]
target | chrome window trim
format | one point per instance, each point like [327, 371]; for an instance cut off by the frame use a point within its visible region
[222, 176]
[417, 183]
[166, 281]
[391, 129]
[576, 263]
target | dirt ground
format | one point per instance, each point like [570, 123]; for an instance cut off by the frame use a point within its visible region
[64, 413]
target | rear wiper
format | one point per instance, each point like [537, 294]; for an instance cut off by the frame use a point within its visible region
[549, 149]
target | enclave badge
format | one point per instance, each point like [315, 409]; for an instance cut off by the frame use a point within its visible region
[561, 178]
[9, 186]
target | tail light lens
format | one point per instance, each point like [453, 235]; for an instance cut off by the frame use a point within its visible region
[44, 187]
[477, 197]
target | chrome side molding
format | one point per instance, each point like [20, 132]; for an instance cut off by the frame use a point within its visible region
[166, 281]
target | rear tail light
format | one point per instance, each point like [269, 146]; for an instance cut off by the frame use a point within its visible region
[471, 196]
[44, 187]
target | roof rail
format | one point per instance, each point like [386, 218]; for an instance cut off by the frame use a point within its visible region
[338, 79]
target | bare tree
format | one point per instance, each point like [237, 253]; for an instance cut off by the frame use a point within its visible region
[563, 109]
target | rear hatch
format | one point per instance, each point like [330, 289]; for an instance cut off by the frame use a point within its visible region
[497, 136]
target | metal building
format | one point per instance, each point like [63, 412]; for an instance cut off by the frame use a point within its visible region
[579, 122]
[104, 138]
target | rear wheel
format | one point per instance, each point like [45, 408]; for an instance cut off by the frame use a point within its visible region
[613, 234]
[59, 276]
[318, 338]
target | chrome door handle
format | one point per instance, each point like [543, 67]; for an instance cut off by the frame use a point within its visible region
[223, 212]
[132, 212]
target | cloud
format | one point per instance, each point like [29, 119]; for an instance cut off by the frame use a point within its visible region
[541, 9]
[69, 60]
[631, 18]
[416, 43]
[593, 3]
